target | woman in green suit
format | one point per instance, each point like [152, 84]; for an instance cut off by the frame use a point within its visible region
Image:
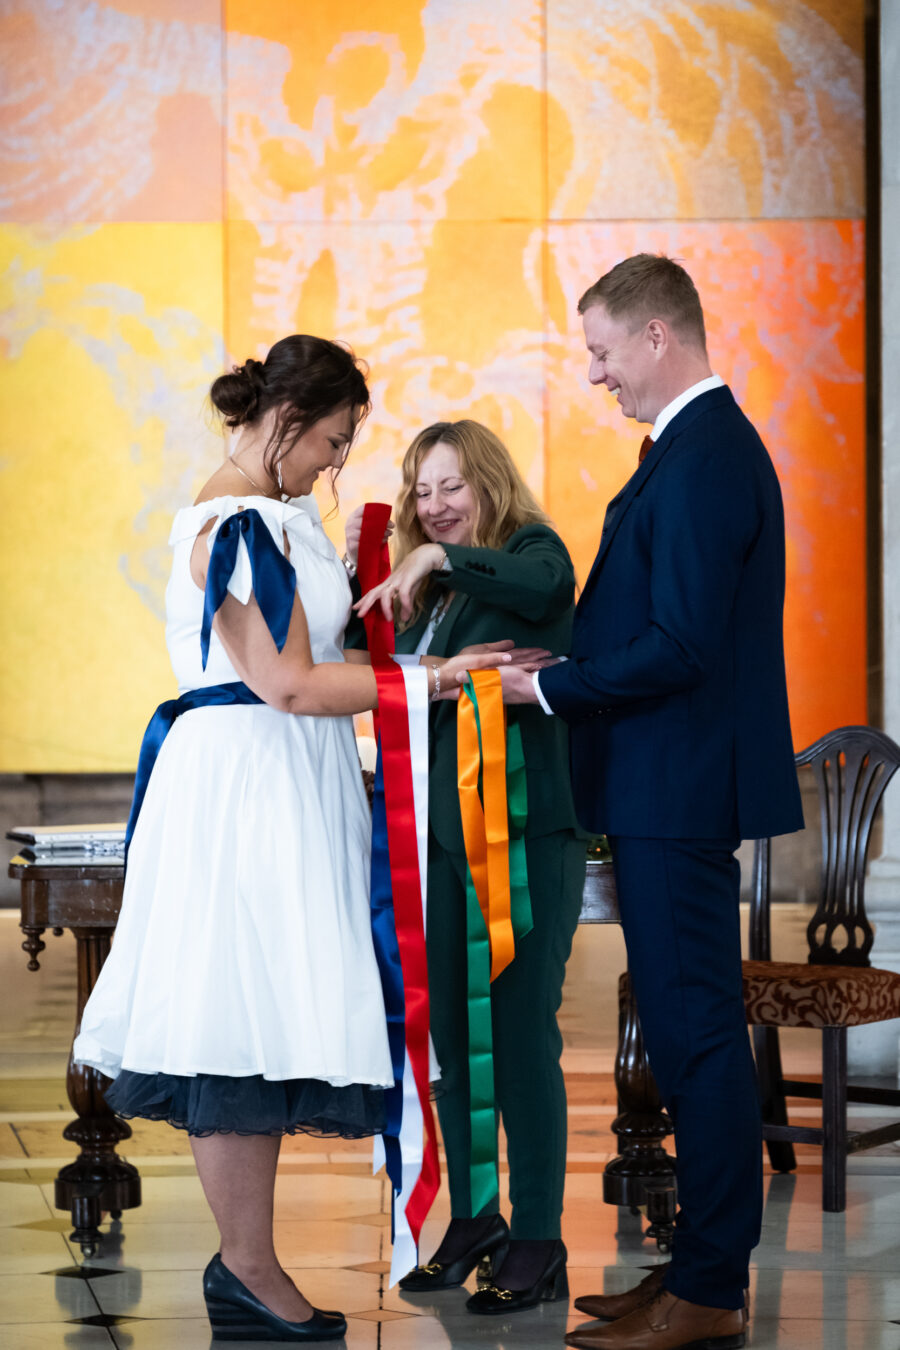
[477, 562]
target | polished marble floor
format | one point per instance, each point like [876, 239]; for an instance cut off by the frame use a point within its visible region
[819, 1282]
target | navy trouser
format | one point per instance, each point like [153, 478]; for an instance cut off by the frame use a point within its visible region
[678, 899]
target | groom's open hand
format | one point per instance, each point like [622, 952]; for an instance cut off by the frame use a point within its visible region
[518, 686]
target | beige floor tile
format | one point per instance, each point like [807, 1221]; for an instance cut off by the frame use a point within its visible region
[19, 1059]
[809, 1334]
[43, 1298]
[23, 1203]
[193, 1334]
[839, 1296]
[328, 1243]
[33, 1094]
[11, 1145]
[25, 1252]
[149, 1139]
[540, 1328]
[56, 1336]
[153, 1246]
[38, 1139]
[185, 1333]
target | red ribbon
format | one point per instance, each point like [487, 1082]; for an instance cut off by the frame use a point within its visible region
[392, 729]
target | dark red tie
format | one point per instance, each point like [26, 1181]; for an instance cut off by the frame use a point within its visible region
[646, 447]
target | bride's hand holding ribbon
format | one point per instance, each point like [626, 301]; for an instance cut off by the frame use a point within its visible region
[353, 530]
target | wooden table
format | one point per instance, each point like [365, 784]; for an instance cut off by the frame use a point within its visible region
[86, 898]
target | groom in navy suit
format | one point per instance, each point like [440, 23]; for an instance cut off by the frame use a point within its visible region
[680, 747]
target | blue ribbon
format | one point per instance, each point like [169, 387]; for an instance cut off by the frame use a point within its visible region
[161, 724]
[387, 954]
[274, 580]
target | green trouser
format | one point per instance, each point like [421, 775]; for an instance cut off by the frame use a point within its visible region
[528, 1079]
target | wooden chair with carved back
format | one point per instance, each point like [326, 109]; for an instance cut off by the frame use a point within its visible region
[838, 988]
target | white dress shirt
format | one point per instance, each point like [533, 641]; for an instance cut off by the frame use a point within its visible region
[662, 421]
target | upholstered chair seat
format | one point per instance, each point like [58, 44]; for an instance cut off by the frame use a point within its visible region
[785, 994]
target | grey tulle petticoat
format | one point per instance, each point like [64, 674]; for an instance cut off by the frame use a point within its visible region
[216, 1104]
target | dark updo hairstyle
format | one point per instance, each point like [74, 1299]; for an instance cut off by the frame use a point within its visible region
[306, 378]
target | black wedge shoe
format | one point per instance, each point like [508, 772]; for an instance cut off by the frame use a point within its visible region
[237, 1315]
[551, 1284]
[489, 1250]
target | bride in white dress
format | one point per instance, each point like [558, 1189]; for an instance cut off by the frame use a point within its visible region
[241, 1000]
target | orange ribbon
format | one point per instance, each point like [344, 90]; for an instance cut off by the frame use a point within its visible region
[481, 746]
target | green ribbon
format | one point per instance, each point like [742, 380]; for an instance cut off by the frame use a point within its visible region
[517, 802]
[484, 1182]
[484, 1163]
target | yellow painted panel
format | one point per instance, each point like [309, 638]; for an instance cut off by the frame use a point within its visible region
[112, 336]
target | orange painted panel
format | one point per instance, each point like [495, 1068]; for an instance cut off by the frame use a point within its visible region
[448, 317]
[393, 110]
[708, 109]
[783, 302]
[111, 112]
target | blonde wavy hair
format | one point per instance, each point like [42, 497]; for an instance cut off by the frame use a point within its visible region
[504, 503]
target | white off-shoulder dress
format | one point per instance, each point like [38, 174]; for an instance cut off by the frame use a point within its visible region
[242, 991]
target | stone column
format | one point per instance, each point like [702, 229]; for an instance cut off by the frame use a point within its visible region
[874, 1049]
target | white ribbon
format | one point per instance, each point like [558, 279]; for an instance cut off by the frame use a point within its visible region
[412, 1125]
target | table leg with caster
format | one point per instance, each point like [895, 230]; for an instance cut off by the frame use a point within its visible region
[98, 1179]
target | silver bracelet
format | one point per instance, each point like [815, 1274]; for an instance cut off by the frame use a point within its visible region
[349, 564]
[437, 683]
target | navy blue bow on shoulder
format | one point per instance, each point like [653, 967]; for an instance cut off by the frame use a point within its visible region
[274, 581]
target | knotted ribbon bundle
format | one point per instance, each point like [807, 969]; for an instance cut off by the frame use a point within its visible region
[498, 904]
[399, 870]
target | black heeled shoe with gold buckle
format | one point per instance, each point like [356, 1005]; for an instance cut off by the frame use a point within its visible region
[551, 1284]
[489, 1250]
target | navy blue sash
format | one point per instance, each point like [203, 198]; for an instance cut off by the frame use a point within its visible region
[274, 586]
[161, 724]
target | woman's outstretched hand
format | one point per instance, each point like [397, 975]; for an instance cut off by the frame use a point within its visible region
[353, 531]
[403, 583]
[529, 658]
[454, 669]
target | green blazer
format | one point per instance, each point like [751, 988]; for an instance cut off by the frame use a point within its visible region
[524, 591]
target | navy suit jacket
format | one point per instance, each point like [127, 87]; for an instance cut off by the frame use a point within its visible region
[675, 691]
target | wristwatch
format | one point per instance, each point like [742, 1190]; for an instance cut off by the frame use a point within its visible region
[349, 564]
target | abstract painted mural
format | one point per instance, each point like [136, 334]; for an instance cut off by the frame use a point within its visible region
[435, 182]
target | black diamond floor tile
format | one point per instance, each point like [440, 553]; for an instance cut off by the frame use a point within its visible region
[82, 1272]
[102, 1320]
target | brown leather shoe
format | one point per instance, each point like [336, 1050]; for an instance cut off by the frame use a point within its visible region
[667, 1323]
[609, 1307]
